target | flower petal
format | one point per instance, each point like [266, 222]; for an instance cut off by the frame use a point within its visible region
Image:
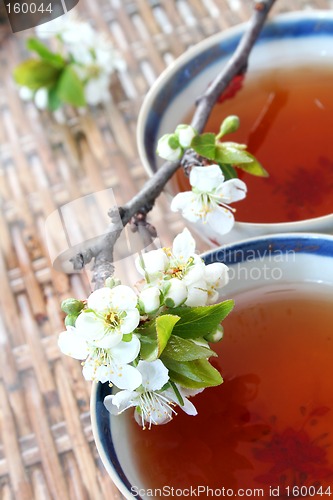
[153, 262]
[197, 294]
[183, 245]
[129, 322]
[89, 369]
[206, 179]
[149, 299]
[126, 352]
[221, 220]
[123, 297]
[182, 201]
[90, 326]
[100, 300]
[72, 344]
[154, 374]
[125, 376]
[121, 401]
[177, 292]
[216, 274]
[232, 190]
[110, 339]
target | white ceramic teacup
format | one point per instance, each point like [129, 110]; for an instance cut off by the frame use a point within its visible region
[281, 262]
[287, 40]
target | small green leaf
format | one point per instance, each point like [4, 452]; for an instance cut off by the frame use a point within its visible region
[70, 88]
[35, 74]
[164, 327]
[198, 321]
[53, 99]
[254, 168]
[181, 349]
[178, 395]
[155, 335]
[229, 172]
[231, 153]
[44, 52]
[193, 374]
[204, 145]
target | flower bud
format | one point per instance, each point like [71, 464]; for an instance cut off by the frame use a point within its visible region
[152, 263]
[149, 299]
[229, 125]
[216, 335]
[72, 306]
[168, 147]
[176, 293]
[185, 134]
[112, 282]
[70, 319]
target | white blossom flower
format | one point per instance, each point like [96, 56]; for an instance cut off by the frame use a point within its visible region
[168, 147]
[26, 94]
[111, 312]
[185, 134]
[96, 90]
[210, 197]
[149, 299]
[152, 404]
[176, 292]
[216, 276]
[112, 365]
[69, 29]
[41, 98]
[152, 264]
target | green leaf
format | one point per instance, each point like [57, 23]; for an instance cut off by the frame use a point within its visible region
[198, 321]
[53, 99]
[204, 145]
[181, 349]
[254, 167]
[44, 52]
[155, 335]
[231, 153]
[70, 88]
[35, 74]
[193, 374]
[229, 172]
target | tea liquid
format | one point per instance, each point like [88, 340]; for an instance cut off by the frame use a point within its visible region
[271, 422]
[286, 121]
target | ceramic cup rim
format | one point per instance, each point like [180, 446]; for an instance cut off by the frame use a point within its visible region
[182, 60]
[305, 243]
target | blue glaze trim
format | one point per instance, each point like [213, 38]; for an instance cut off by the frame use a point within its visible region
[261, 248]
[218, 53]
[104, 433]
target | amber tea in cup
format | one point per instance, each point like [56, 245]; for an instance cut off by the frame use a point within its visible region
[286, 121]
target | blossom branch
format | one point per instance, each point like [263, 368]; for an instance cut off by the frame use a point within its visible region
[143, 201]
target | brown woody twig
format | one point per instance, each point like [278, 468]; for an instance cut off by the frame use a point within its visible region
[143, 201]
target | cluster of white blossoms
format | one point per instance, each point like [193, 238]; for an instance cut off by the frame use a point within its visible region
[210, 197]
[127, 339]
[91, 55]
[179, 276]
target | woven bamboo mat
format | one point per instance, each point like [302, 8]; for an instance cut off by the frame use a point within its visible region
[46, 445]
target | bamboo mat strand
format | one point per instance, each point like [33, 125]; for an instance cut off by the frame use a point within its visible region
[46, 443]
